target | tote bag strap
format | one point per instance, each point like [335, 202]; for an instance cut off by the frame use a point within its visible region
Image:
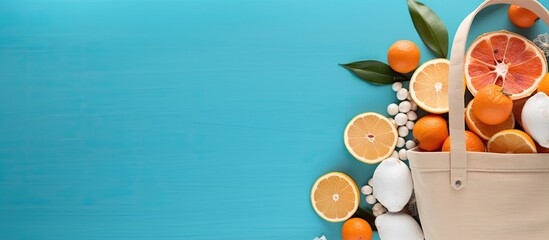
[458, 155]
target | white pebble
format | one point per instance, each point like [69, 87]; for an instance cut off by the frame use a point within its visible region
[414, 106]
[392, 109]
[377, 213]
[395, 154]
[400, 142]
[371, 181]
[404, 106]
[403, 131]
[397, 86]
[402, 154]
[409, 98]
[410, 125]
[401, 119]
[410, 144]
[366, 189]
[402, 94]
[392, 121]
[370, 199]
[377, 207]
[412, 115]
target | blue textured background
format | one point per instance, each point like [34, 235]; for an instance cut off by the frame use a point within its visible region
[196, 119]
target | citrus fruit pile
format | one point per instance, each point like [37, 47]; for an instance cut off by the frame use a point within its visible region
[505, 73]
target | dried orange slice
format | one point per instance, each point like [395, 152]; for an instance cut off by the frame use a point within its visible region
[484, 130]
[511, 141]
[335, 197]
[505, 59]
[429, 86]
[370, 137]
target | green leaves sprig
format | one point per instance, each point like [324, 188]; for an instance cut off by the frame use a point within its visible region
[433, 33]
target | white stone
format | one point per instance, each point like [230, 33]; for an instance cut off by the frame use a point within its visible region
[366, 190]
[400, 142]
[411, 144]
[402, 94]
[392, 109]
[397, 86]
[371, 181]
[392, 121]
[395, 154]
[404, 106]
[403, 131]
[412, 115]
[410, 125]
[414, 106]
[401, 119]
[370, 199]
[403, 154]
[377, 207]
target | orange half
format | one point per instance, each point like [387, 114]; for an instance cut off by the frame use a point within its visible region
[429, 86]
[335, 197]
[511, 141]
[370, 137]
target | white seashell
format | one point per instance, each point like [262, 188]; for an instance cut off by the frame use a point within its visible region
[402, 94]
[412, 115]
[392, 109]
[400, 142]
[404, 106]
[401, 119]
[411, 144]
[403, 154]
[397, 86]
[535, 118]
[403, 131]
[410, 125]
[371, 199]
[366, 189]
[392, 184]
[398, 226]
[321, 238]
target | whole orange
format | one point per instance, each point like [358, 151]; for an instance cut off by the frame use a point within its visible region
[403, 56]
[492, 106]
[356, 229]
[544, 84]
[430, 131]
[473, 143]
[521, 17]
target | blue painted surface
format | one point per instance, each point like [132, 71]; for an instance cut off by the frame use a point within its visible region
[198, 119]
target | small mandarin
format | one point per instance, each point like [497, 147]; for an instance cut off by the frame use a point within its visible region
[544, 84]
[492, 106]
[430, 131]
[356, 229]
[473, 143]
[403, 56]
[521, 17]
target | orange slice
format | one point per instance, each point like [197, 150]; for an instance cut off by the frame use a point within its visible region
[484, 130]
[429, 86]
[335, 197]
[370, 137]
[511, 141]
[505, 59]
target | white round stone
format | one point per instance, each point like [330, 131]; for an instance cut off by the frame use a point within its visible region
[402, 94]
[403, 154]
[366, 190]
[414, 106]
[392, 109]
[404, 106]
[400, 142]
[410, 125]
[397, 86]
[377, 207]
[370, 199]
[403, 131]
[395, 154]
[401, 119]
[412, 115]
[411, 144]
[371, 181]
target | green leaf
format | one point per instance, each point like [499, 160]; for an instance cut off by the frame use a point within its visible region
[430, 27]
[374, 72]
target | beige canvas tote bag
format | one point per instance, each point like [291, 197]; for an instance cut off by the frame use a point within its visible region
[480, 196]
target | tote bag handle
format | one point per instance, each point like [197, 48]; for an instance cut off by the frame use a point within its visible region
[458, 155]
